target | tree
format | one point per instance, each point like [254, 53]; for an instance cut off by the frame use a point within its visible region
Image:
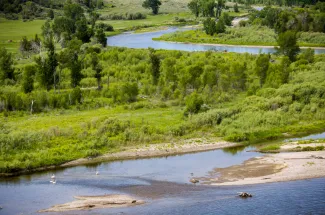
[236, 9]
[226, 18]
[50, 14]
[25, 46]
[47, 66]
[6, 65]
[83, 33]
[28, 80]
[220, 5]
[220, 27]
[207, 7]
[153, 5]
[69, 58]
[193, 103]
[155, 65]
[287, 43]
[93, 18]
[75, 68]
[194, 6]
[101, 37]
[261, 67]
[308, 55]
[209, 26]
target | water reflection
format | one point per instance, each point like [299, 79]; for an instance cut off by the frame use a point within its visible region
[309, 137]
[234, 150]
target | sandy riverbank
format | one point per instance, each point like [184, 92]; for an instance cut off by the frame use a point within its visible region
[270, 168]
[95, 202]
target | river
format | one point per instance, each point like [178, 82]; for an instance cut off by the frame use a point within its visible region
[144, 40]
[163, 184]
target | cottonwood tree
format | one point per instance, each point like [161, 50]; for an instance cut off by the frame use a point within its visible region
[155, 65]
[28, 78]
[6, 65]
[153, 5]
[209, 26]
[194, 6]
[261, 67]
[288, 46]
[46, 67]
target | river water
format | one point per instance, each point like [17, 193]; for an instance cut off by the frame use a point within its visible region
[163, 184]
[144, 40]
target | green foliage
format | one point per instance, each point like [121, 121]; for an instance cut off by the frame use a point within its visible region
[261, 67]
[194, 6]
[28, 78]
[105, 26]
[236, 9]
[226, 19]
[308, 55]
[287, 43]
[6, 65]
[220, 27]
[155, 65]
[46, 67]
[210, 26]
[101, 37]
[153, 5]
[271, 147]
[193, 103]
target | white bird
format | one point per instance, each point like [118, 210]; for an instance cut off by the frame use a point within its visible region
[53, 176]
[97, 173]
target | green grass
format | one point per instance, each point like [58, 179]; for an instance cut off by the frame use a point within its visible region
[161, 19]
[15, 29]
[251, 35]
[60, 136]
[271, 147]
[133, 6]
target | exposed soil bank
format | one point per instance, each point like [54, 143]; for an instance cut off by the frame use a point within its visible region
[154, 150]
[271, 168]
[95, 202]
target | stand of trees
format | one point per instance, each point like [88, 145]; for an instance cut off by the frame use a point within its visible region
[153, 5]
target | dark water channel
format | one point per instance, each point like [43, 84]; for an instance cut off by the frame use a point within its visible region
[144, 40]
[163, 184]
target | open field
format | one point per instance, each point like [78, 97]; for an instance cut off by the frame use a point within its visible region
[15, 29]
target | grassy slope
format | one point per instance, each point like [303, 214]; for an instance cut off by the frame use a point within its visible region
[15, 29]
[253, 35]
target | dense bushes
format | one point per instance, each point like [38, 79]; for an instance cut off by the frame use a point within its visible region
[127, 16]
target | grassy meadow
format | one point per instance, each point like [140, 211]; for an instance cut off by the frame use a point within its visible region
[14, 30]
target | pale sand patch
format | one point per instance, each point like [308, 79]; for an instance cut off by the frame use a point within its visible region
[95, 202]
[294, 145]
[271, 168]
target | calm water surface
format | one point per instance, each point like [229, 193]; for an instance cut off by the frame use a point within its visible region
[163, 184]
[144, 40]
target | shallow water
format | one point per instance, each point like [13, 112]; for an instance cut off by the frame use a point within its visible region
[309, 137]
[163, 184]
[144, 40]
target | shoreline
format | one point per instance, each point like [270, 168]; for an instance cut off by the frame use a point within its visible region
[151, 151]
[280, 167]
[232, 45]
